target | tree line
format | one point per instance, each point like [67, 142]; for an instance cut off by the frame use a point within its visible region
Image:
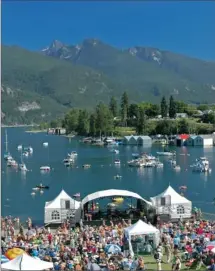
[105, 118]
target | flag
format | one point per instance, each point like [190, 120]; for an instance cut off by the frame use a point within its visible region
[77, 195]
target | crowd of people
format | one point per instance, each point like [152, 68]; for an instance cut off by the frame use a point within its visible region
[104, 247]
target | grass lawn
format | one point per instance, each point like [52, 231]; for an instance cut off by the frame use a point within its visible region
[152, 265]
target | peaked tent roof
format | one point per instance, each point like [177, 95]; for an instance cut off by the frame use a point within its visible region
[56, 203]
[26, 262]
[111, 193]
[140, 227]
[175, 197]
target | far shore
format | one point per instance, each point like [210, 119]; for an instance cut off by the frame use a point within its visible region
[37, 131]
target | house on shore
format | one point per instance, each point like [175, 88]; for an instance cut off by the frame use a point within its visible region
[181, 140]
[200, 140]
[137, 140]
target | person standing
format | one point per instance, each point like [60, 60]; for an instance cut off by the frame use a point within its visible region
[168, 251]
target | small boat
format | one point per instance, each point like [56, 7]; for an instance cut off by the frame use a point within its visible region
[69, 160]
[33, 194]
[35, 188]
[73, 153]
[166, 153]
[135, 155]
[149, 164]
[117, 162]
[12, 163]
[115, 151]
[23, 167]
[117, 177]
[45, 144]
[158, 164]
[41, 186]
[45, 168]
[19, 147]
[172, 162]
[183, 187]
[177, 167]
[30, 150]
[25, 154]
[86, 166]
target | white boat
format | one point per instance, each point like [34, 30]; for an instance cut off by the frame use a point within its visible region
[33, 194]
[73, 154]
[149, 164]
[86, 166]
[45, 168]
[166, 153]
[45, 144]
[158, 164]
[23, 167]
[115, 151]
[12, 163]
[176, 167]
[25, 154]
[135, 155]
[19, 147]
[136, 163]
[117, 177]
[30, 150]
[201, 165]
[172, 162]
[117, 162]
[7, 155]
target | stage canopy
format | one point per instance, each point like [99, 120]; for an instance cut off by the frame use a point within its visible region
[25, 262]
[113, 193]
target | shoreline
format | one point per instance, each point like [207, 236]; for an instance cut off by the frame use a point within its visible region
[36, 131]
[17, 126]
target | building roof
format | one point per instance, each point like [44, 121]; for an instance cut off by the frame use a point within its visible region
[112, 193]
[145, 137]
[183, 136]
[128, 137]
[193, 136]
[206, 136]
[56, 203]
[175, 197]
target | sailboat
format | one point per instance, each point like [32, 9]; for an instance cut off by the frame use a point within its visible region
[22, 166]
[7, 155]
[45, 168]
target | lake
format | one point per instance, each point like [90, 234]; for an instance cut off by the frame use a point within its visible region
[17, 187]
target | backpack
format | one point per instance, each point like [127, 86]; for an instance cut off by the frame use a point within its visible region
[156, 255]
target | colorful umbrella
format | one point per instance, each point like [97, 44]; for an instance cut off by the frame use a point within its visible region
[210, 247]
[112, 249]
[14, 252]
[4, 259]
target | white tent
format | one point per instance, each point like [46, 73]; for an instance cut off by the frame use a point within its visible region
[61, 208]
[142, 228]
[25, 262]
[173, 204]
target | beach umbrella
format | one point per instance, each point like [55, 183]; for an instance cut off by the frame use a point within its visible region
[112, 249]
[14, 252]
[4, 259]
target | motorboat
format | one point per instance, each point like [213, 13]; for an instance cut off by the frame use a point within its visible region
[41, 186]
[149, 164]
[19, 147]
[45, 168]
[35, 188]
[135, 155]
[86, 166]
[23, 167]
[172, 162]
[72, 154]
[30, 150]
[25, 154]
[115, 151]
[201, 165]
[166, 153]
[117, 162]
[136, 163]
[33, 194]
[45, 144]
[148, 157]
[176, 167]
[12, 163]
[158, 164]
[117, 177]
[69, 160]
[7, 156]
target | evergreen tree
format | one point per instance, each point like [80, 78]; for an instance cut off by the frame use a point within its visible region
[113, 106]
[164, 108]
[124, 108]
[92, 128]
[83, 123]
[141, 122]
[104, 119]
[70, 121]
[172, 108]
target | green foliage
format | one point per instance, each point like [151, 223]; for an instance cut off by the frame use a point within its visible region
[113, 106]
[183, 127]
[164, 108]
[124, 108]
[172, 108]
[83, 123]
[165, 127]
[92, 124]
[141, 122]
[104, 119]
[70, 122]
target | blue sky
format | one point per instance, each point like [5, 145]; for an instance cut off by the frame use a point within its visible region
[183, 27]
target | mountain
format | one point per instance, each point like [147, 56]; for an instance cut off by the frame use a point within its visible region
[37, 87]
[43, 85]
[149, 72]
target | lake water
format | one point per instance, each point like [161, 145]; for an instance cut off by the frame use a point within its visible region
[16, 187]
